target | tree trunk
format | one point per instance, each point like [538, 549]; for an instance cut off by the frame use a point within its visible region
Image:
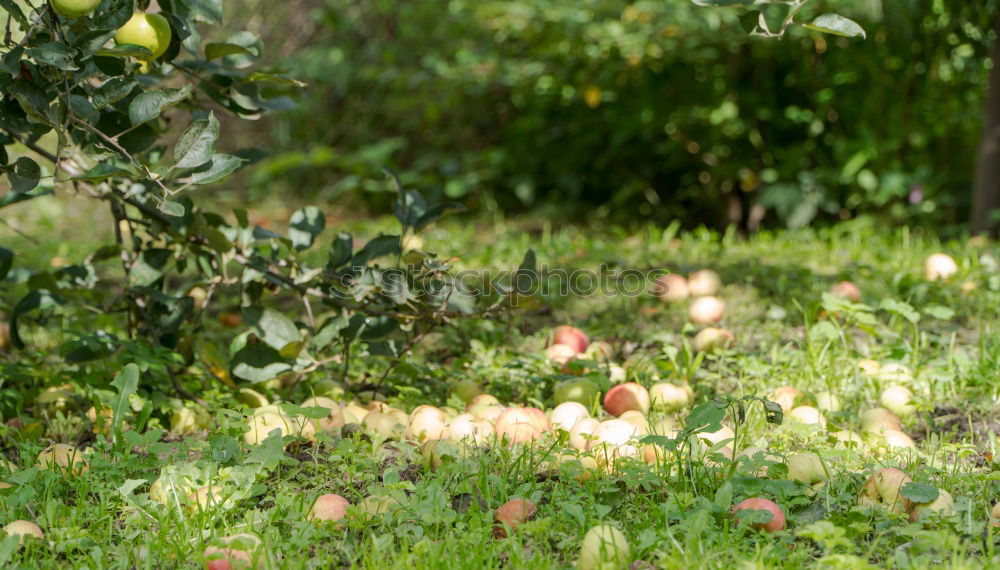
[986, 193]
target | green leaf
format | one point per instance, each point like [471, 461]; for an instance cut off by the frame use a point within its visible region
[148, 106]
[837, 25]
[900, 308]
[217, 50]
[33, 100]
[171, 208]
[275, 329]
[35, 300]
[749, 21]
[706, 417]
[125, 51]
[11, 61]
[939, 312]
[305, 225]
[258, 363]
[149, 267]
[14, 10]
[197, 145]
[6, 261]
[276, 78]
[210, 11]
[919, 492]
[378, 247]
[56, 54]
[101, 171]
[219, 167]
[723, 3]
[113, 90]
[24, 175]
[340, 252]
[127, 384]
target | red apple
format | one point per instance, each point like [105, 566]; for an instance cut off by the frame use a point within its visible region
[777, 521]
[846, 290]
[561, 353]
[571, 337]
[672, 288]
[232, 552]
[513, 513]
[329, 507]
[625, 397]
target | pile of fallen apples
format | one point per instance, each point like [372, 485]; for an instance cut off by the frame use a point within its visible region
[594, 444]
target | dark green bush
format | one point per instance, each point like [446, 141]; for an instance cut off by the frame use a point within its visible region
[657, 107]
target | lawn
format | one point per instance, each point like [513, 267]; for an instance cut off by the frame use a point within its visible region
[432, 504]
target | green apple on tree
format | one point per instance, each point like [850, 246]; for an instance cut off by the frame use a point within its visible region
[151, 31]
[74, 8]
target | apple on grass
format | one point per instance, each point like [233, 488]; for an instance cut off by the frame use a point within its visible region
[511, 514]
[582, 390]
[23, 529]
[328, 507]
[565, 415]
[571, 337]
[806, 467]
[883, 490]
[560, 353]
[807, 415]
[773, 523]
[706, 310]
[625, 397]
[238, 551]
[943, 505]
[704, 283]
[582, 433]
[63, 457]
[604, 547]
[672, 288]
[939, 267]
[847, 291]
[786, 397]
[670, 397]
[878, 420]
[712, 339]
[898, 400]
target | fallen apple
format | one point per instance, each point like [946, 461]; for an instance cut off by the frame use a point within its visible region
[205, 498]
[66, 458]
[670, 397]
[23, 529]
[898, 400]
[604, 547]
[713, 339]
[806, 467]
[238, 551]
[617, 374]
[725, 433]
[808, 415]
[776, 521]
[672, 288]
[469, 428]
[517, 425]
[427, 422]
[599, 351]
[883, 490]
[847, 439]
[334, 420]
[939, 267]
[943, 505]
[878, 420]
[571, 337]
[560, 353]
[328, 507]
[787, 397]
[704, 283]
[896, 373]
[847, 291]
[512, 513]
[995, 515]
[706, 310]
[895, 439]
[582, 433]
[253, 399]
[869, 367]
[624, 397]
[565, 415]
[828, 402]
[384, 425]
[581, 390]
[466, 390]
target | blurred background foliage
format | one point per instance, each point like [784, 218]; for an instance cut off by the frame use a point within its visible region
[612, 108]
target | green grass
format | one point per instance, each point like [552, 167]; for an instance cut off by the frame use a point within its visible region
[675, 512]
